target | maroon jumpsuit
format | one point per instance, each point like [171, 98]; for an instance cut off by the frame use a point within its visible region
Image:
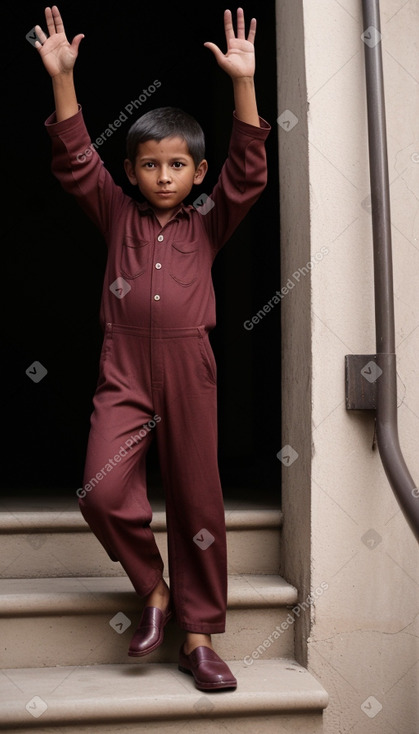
[157, 373]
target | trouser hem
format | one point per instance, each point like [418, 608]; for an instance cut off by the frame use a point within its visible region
[203, 629]
[143, 594]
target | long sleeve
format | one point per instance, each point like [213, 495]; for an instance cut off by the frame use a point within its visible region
[80, 170]
[241, 181]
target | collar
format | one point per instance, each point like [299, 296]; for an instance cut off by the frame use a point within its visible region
[184, 210]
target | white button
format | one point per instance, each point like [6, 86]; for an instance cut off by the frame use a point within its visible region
[160, 238]
[158, 266]
[157, 298]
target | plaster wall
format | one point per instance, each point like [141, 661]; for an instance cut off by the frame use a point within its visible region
[343, 528]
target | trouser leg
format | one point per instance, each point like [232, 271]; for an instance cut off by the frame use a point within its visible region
[184, 395]
[115, 504]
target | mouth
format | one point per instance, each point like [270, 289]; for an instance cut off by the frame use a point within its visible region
[165, 193]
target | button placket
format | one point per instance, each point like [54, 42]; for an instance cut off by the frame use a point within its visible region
[158, 266]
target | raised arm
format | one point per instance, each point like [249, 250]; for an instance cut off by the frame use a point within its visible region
[59, 57]
[239, 64]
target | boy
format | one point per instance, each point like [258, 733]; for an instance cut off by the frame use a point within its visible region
[157, 373]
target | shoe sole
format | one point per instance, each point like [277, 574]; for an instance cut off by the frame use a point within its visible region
[134, 654]
[202, 686]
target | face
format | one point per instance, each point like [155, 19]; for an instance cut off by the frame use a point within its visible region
[165, 173]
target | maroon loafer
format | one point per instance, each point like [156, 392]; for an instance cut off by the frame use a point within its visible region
[209, 671]
[150, 631]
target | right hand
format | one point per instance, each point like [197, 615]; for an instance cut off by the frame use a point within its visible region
[58, 55]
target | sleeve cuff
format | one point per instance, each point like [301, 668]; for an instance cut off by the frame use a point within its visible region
[56, 128]
[245, 128]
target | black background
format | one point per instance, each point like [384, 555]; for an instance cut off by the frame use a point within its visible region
[54, 258]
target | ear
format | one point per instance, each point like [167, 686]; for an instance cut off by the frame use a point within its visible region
[200, 172]
[129, 170]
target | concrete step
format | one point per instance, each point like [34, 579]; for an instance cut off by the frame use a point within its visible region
[45, 543]
[85, 621]
[273, 696]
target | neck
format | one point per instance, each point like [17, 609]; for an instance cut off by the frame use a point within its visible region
[164, 215]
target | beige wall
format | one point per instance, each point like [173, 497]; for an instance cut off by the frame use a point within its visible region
[343, 527]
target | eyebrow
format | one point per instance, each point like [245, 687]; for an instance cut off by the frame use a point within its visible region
[182, 156]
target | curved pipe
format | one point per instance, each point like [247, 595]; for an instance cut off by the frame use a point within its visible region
[392, 459]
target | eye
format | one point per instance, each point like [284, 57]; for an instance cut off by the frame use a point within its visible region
[178, 164]
[149, 164]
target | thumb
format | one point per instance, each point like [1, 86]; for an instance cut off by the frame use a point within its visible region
[215, 50]
[76, 41]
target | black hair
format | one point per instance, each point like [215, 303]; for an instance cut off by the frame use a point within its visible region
[166, 122]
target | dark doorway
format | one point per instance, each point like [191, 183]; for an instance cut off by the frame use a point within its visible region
[55, 258]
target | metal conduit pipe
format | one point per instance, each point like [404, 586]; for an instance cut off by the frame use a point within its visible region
[391, 456]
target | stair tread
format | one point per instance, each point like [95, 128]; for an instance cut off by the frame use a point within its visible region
[65, 520]
[100, 594]
[151, 692]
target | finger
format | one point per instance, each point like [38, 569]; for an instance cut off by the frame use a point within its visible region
[252, 31]
[40, 34]
[59, 25]
[240, 23]
[228, 26]
[50, 21]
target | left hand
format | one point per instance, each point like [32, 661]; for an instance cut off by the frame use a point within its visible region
[239, 61]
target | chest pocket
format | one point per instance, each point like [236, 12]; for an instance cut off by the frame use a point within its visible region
[184, 262]
[135, 255]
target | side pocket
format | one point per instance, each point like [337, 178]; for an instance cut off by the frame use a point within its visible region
[105, 353]
[208, 358]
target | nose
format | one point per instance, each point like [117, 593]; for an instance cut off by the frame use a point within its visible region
[164, 175]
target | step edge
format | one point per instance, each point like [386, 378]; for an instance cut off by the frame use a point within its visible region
[137, 711]
[18, 523]
[236, 703]
[276, 593]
